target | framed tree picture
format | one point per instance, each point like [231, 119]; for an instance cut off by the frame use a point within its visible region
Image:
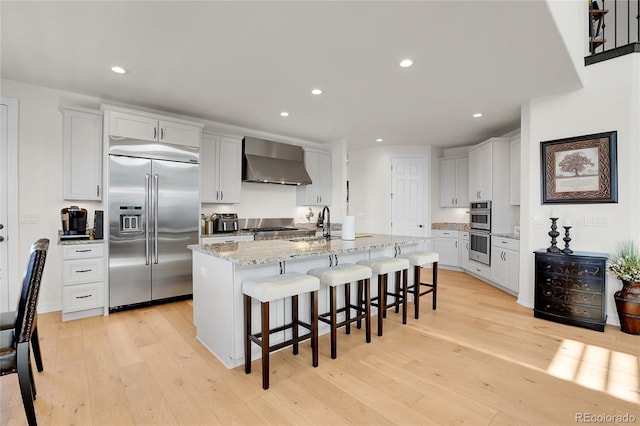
[581, 169]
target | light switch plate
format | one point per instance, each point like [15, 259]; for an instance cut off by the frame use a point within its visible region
[29, 218]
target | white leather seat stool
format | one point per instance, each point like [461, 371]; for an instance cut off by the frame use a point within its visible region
[345, 274]
[383, 266]
[266, 290]
[420, 260]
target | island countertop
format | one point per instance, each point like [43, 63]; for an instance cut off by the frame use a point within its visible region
[273, 251]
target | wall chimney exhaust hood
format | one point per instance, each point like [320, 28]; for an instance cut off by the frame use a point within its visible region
[273, 162]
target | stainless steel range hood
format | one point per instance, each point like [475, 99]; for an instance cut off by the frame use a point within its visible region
[273, 162]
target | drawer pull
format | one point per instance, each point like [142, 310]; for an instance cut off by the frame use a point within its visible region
[83, 297]
[83, 251]
[84, 270]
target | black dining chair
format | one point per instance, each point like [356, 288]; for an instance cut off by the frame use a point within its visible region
[14, 343]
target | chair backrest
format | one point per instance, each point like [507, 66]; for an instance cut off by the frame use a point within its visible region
[28, 301]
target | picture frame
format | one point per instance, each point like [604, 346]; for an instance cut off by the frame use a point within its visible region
[581, 169]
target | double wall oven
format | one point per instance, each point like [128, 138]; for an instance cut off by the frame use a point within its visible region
[480, 232]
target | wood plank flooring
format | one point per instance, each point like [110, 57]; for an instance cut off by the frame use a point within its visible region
[480, 359]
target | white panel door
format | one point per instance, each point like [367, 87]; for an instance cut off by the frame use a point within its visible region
[9, 282]
[407, 197]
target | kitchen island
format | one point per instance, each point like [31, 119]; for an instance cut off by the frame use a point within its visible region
[219, 269]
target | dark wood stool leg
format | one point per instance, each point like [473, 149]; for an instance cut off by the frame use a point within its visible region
[416, 290]
[382, 286]
[367, 307]
[397, 292]
[382, 298]
[347, 305]
[360, 302]
[314, 327]
[247, 333]
[334, 321]
[405, 294]
[294, 321]
[265, 345]
[435, 284]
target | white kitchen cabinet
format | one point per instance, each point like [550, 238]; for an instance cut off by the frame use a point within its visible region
[150, 127]
[464, 250]
[222, 238]
[82, 153]
[505, 262]
[480, 172]
[454, 182]
[318, 193]
[514, 171]
[220, 169]
[448, 247]
[83, 286]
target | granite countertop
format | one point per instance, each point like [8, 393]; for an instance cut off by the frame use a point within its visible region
[273, 251]
[510, 235]
[450, 226]
[227, 234]
[75, 242]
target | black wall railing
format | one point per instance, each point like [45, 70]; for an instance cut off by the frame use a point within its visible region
[614, 29]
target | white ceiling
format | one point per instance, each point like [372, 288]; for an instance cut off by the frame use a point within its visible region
[242, 63]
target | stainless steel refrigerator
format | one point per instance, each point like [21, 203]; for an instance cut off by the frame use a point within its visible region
[153, 216]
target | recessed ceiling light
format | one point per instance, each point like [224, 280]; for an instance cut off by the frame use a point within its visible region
[379, 140]
[477, 115]
[316, 92]
[284, 114]
[406, 63]
[119, 70]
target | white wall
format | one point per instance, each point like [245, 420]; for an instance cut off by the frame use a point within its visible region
[40, 187]
[610, 100]
[369, 185]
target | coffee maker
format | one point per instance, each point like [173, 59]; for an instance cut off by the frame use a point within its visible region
[74, 222]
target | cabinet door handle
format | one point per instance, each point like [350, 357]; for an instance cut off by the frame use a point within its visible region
[217, 193]
[456, 244]
[97, 190]
[221, 195]
[162, 133]
[155, 132]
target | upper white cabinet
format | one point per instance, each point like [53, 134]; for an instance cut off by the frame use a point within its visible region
[154, 128]
[486, 161]
[318, 193]
[454, 182]
[82, 158]
[514, 171]
[220, 169]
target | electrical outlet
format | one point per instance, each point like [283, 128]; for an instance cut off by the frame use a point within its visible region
[29, 218]
[603, 221]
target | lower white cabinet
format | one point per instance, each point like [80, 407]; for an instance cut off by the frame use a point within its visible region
[505, 262]
[448, 247]
[221, 238]
[82, 280]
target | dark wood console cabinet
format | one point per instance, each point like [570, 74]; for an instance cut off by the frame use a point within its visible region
[570, 288]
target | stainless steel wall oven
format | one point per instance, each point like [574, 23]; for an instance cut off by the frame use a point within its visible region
[480, 232]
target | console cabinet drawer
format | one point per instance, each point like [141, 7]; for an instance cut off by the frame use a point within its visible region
[83, 296]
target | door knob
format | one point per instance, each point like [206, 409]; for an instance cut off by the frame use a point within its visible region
[419, 226]
[1, 239]
[1, 226]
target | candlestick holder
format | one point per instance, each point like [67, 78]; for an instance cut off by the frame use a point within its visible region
[553, 234]
[566, 239]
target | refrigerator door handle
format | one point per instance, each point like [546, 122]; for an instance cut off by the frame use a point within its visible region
[155, 219]
[147, 219]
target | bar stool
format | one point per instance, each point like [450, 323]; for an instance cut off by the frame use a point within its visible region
[266, 290]
[345, 274]
[419, 260]
[383, 266]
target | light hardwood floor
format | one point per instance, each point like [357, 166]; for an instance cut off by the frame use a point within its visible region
[480, 359]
